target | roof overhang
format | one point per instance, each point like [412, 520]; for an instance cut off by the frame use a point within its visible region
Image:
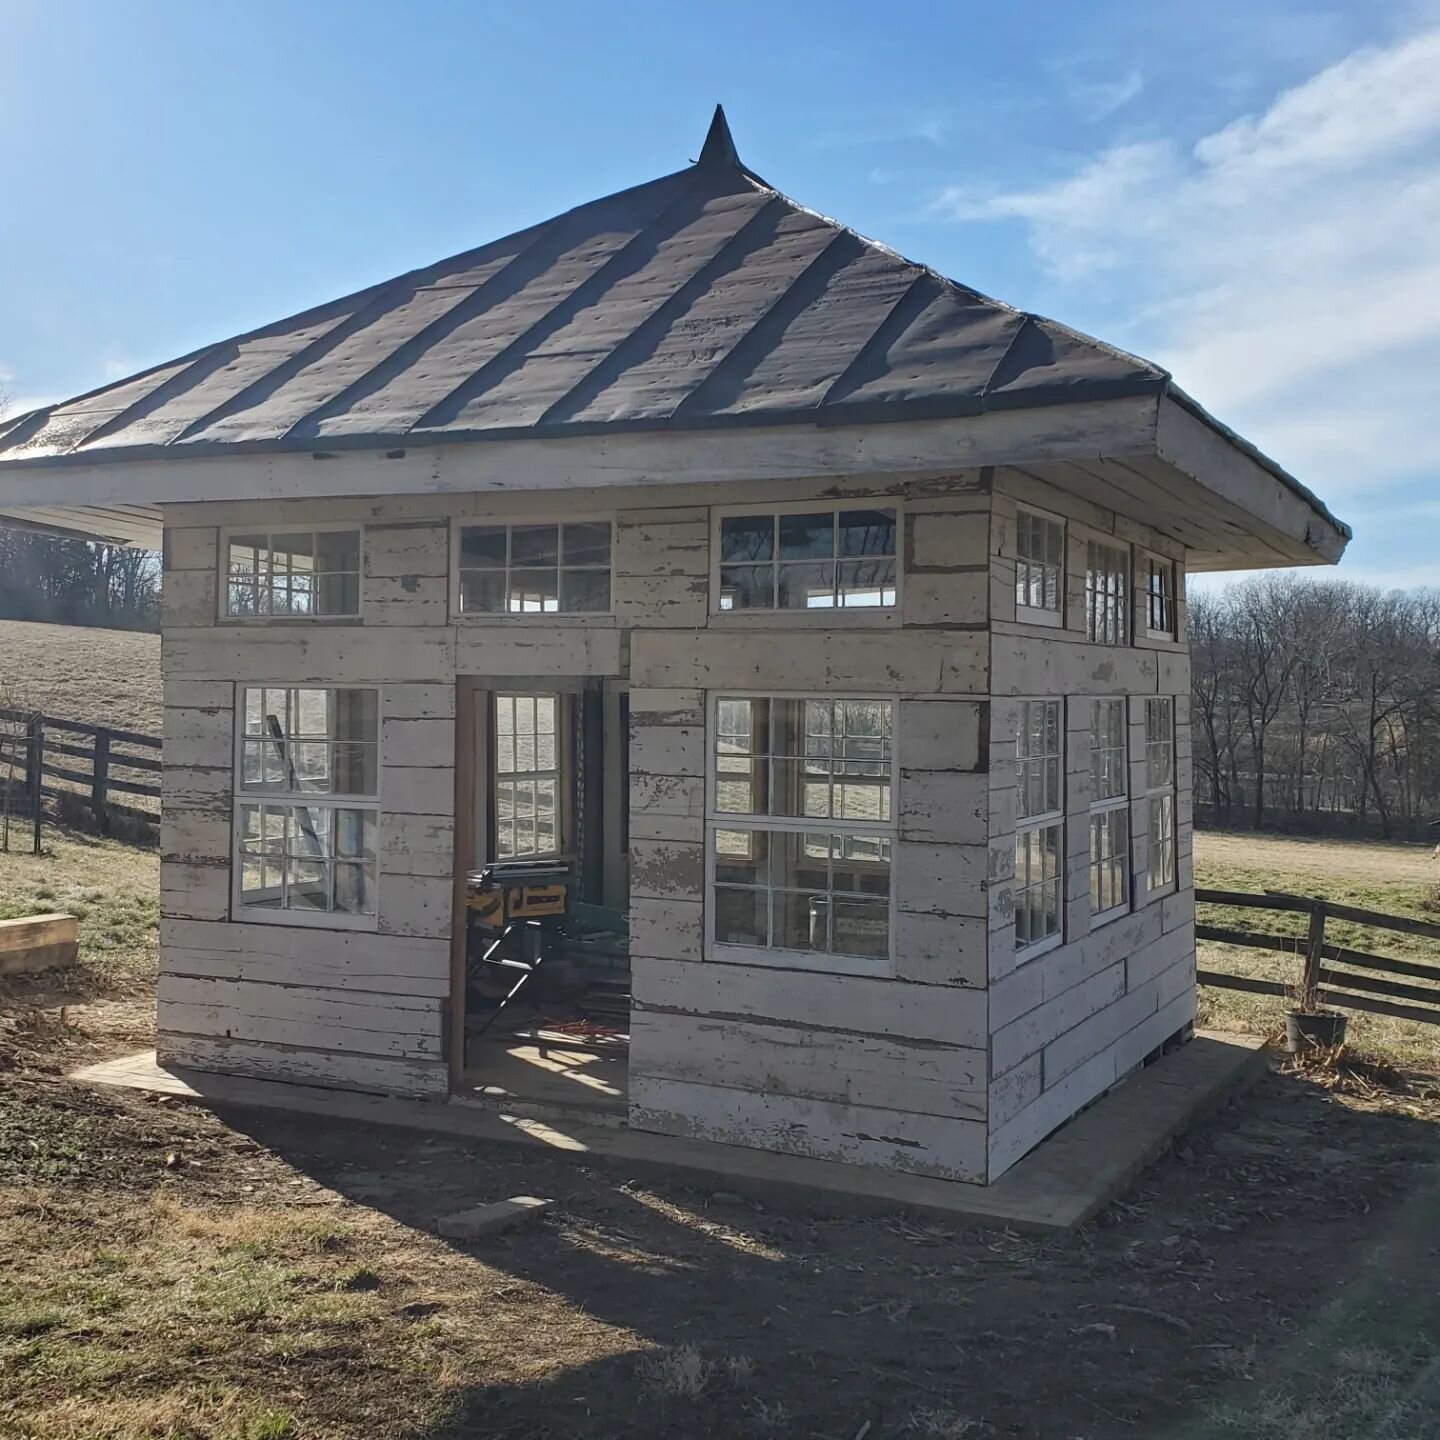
[1159, 460]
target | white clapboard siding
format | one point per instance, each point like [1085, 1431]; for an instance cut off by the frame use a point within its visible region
[422, 905]
[801, 659]
[812, 1064]
[667, 707]
[417, 789]
[419, 702]
[426, 742]
[652, 544]
[189, 597]
[836, 1002]
[355, 1021]
[939, 734]
[307, 957]
[324, 654]
[941, 949]
[854, 1134]
[191, 547]
[948, 806]
[941, 879]
[407, 549]
[666, 749]
[666, 869]
[417, 845]
[409, 600]
[191, 891]
[413, 1079]
[519, 647]
[667, 929]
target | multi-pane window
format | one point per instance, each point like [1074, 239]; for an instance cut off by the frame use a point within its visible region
[1040, 823]
[307, 801]
[808, 560]
[526, 779]
[561, 569]
[1039, 563]
[1160, 596]
[1160, 792]
[1107, 593]
[1109, 808]
[801, 824]
[292, 572]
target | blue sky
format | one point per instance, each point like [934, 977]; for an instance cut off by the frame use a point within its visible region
[1248, 193]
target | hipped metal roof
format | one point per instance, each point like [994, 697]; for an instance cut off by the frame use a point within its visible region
[702, 299]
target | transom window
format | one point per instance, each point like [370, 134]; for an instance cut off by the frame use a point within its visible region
[1039, 830]
[561, 569]
[292, 573]
[1107, 593]
[1109, 809]
[307, 803]
[801, 826]
[808, 560]
[1160, 596]
[1039, 565]
[1160, 792]
[526, 778]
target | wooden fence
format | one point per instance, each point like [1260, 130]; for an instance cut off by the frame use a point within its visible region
[41, 755]
[1329, 973]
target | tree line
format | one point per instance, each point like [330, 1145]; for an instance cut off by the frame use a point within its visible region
[1316, 706]
[75, 582]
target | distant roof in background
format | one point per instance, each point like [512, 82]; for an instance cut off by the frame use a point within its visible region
[699, 300]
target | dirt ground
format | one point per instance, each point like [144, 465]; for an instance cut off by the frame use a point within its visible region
[1291, 854]
[169, 1272]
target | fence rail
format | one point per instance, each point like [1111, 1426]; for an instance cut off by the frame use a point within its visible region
[1348, 987]
[29, 740]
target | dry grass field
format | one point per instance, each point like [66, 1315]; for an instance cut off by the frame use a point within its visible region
[100, 677]
[170, 1273]
[1392, 879]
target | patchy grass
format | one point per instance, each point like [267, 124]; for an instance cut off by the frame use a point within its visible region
[112, 888]
[1272, 863]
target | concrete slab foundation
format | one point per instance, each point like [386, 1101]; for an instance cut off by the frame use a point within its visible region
[1061, 1184]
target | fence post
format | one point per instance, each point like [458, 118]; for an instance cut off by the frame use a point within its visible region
[36, 757]
[100, 782]
[1314, 954]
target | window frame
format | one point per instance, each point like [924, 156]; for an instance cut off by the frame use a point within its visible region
[564, 773]
[861, 614]
[1110, 805]
[459, 523]
[1093, 593]
[1042, 821]
[1169, 597]
[1157, 794]
[1039, 614]
[241, 913]
[776, 957]
[222, 601]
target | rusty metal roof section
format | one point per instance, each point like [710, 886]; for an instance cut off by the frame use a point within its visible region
[702, 299]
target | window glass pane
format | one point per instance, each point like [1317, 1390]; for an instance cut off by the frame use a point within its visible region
[866, 582]
[741, 916]
[807, 537]
[534, 591]
[337, 550]
[482, 592]
[742, 857]
[357, 714]
[806, 587]
[534, 545]
[307, 885]
[747, 538]
[799, 860]
[867, 532]
[584, 591]
[860, 927]
[801, 921]
[337, 595]
[354, 890]
[483, 546]
[747, 587]
[587, 544]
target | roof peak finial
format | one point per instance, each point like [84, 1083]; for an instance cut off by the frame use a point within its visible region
[719, 147]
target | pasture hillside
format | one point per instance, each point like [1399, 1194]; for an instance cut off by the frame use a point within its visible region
[100, 677]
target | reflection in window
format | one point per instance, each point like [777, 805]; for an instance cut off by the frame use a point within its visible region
[527, 795]
[311, 573]
[307, 788]
[821, 560]
[535, 569]
[801, 824]
[1039, 562]
[1109, 808]
[1040, 825]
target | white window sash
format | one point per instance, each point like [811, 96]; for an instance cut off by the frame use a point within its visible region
[881, 611]
[717, 821]
[289, 799]
[505, 615]
[1155, 794]
[1029, 565]
[263, 581]
[1052, 818]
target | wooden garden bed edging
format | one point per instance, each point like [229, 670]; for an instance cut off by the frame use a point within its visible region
[38, 942]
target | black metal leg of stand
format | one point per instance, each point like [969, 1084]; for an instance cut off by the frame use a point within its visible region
[520, 984]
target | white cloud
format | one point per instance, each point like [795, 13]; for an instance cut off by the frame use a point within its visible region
[1286, 267]
[1096, 99]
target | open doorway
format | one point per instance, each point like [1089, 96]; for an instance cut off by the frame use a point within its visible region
[541, 972]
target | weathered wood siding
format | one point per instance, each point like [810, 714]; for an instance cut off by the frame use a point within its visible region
[368, 1008]
[1070, 1022]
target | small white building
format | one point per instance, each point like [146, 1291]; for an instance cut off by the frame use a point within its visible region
[827, 616]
